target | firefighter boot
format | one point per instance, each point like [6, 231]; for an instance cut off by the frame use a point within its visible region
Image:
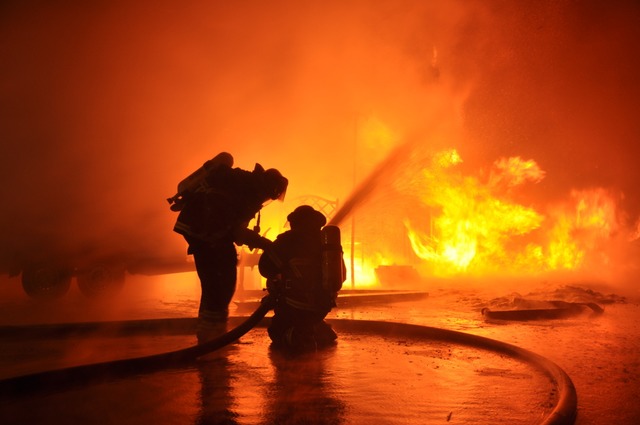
[211, 324]
[299, 340]
[324, 334]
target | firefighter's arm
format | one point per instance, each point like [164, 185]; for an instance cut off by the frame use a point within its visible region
[250, 238]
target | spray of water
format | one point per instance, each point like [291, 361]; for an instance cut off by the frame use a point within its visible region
[384, 171]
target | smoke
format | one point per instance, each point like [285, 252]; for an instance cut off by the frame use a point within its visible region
[106, 106]
[559, 86]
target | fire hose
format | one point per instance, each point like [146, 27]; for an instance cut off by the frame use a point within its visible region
[562, 413]
[59, 379]
[97, 372]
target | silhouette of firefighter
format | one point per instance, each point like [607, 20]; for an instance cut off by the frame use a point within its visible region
[305, 270]
[216, 204]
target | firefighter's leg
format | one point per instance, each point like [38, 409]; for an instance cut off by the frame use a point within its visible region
[216, 268]
[292, 329]
[210, 325]
[280, 323]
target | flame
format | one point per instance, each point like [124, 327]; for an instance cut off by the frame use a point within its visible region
[515, 171]
[472, 225]
[474, 228]
[363, 269]
[584, 229]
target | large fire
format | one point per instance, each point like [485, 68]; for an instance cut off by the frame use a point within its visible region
[482, 224]
[478, 224]
[478, 229]
[474, 227]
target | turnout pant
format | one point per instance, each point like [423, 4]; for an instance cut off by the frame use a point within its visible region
[216, 269]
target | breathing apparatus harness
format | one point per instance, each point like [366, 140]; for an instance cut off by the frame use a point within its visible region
[197, 181]
[332, 275]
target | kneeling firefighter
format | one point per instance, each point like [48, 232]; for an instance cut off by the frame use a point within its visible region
[216, 204]
[305, 270]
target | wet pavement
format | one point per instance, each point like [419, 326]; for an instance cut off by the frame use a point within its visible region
[371, 376]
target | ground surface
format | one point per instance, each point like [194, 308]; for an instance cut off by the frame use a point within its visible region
[365, 379]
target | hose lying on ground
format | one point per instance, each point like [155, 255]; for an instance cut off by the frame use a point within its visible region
[565, 410]
[61, 379]
[561, 310]
[562, 413]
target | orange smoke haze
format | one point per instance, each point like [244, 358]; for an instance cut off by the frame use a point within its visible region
[106, 106]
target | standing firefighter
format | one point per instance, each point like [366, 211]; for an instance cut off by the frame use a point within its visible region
[305, 270]
[216, 204]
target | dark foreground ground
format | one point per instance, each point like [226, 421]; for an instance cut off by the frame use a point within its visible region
[369, 377]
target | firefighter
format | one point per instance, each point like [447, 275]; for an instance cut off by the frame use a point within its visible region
[294, 269]
[215, 212]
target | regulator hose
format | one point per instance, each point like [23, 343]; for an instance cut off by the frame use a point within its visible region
[66, 378]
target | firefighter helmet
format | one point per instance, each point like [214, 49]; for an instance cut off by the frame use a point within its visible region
[306, 216]
[275, 184]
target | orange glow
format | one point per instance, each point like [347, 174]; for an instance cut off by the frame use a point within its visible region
[364, 269]
[323, 92]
